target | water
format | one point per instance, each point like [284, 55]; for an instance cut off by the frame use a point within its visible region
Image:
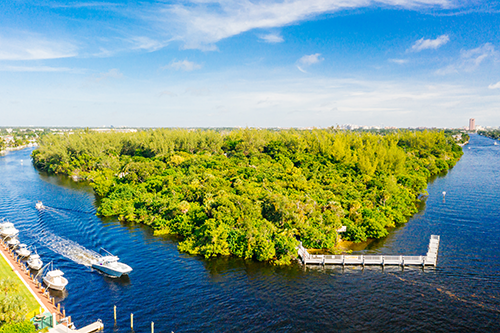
[184, 293]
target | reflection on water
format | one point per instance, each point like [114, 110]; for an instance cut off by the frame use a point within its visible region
[185, 293]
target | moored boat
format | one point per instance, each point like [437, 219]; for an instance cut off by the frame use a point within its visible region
[13, 242]
[54, 279]
[110, 266]
[7, 230]
[23, 251]
[34, 262]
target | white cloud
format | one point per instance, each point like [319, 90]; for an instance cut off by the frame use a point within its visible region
[470, 60]
[184, 65]
[37, 69]
[494, 86]
[308, 60]
[34, 47]
[146, 43]
[202, 23]
[399, 61]
[272, 38]
[426, 44]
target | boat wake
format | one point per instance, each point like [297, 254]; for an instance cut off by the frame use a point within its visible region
[59, 209]
[68, 249]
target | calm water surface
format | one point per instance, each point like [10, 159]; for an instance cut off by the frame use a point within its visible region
[183, 293]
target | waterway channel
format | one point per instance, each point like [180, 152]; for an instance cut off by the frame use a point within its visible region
[183, 293]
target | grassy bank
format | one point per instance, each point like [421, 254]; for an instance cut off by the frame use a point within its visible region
[7, 272]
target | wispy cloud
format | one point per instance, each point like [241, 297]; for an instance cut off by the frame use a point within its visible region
[308, 60]
[494, 86]
[39, 69]
[34, 47]
[199, 24]
[399, 61]
[184, 65]
[146, 43]
[426, 44]
[470, 60]
[272, 38]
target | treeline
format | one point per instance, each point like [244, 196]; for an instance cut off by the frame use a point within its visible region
[458, 134]
[493, 134]
[252, 193]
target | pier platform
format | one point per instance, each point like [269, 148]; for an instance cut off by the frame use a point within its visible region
[430, 259]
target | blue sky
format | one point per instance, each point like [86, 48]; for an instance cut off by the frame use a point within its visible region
[283, 63]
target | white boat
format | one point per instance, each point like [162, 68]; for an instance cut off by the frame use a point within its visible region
[54, 279]
[34, 262]
[23, 251]
[13, 242]
[7, 229]
[495, 143]
[39, 205]
[109, 265]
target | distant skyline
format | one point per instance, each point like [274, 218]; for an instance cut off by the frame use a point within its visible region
[230, 63]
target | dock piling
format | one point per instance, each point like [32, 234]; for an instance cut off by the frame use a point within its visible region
[132, 321]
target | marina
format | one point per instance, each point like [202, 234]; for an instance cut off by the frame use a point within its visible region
[51, 316]
[430, 259]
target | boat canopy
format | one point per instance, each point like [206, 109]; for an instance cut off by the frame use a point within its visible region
[108, 259]
[54, 273]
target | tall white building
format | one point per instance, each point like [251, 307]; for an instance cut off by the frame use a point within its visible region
[472, 124]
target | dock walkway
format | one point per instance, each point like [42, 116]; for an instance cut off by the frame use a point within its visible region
[430, 259]
[94, 327]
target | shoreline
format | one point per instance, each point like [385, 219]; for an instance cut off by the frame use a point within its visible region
[38, 292]
[6, 150]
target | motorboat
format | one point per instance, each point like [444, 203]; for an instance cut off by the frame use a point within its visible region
[495, 143]
[110, 266]
[39, 205]
[34, 262]
[13, 242]
[54, 279]
[7, 230]
[23, 251]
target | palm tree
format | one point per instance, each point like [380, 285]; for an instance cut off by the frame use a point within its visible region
[9, 286]
[13, 308]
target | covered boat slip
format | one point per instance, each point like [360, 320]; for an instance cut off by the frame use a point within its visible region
[428, 260]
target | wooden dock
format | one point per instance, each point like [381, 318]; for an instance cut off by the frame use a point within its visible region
[62, 328]
[428, 260]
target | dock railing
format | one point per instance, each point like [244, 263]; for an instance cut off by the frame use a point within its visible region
[325, 259]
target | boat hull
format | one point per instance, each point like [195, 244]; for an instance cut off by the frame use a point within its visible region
[35, 265]
[54, 286]
[109, 271]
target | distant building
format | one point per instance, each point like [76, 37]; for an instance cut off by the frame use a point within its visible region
[472, 124]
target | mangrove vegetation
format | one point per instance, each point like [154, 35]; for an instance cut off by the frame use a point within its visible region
[254, 193]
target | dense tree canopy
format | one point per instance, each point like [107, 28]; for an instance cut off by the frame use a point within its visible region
[494, 134]
[253, 193]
